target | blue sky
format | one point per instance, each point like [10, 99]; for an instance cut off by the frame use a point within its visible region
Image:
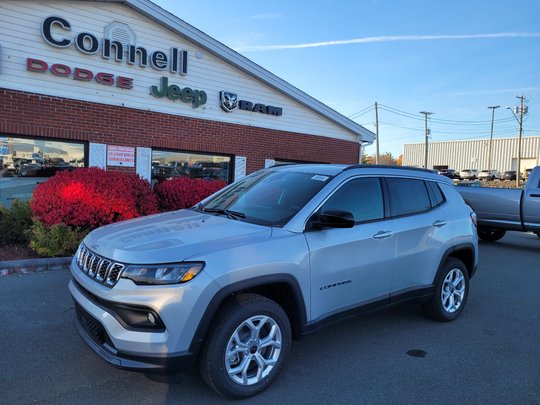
[454, 58]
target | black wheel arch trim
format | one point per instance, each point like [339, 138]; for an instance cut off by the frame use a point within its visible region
[255, 282]
[468, 247]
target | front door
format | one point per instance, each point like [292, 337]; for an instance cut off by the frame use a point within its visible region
[352, 266]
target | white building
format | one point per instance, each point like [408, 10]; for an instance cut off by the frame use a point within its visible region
[474, 154]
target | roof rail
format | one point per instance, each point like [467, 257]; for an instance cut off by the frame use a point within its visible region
[364, 166]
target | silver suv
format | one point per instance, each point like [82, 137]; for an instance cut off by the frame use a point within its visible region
[230, 282]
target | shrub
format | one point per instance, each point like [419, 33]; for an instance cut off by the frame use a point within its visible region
[15, 223]
[56, 240]
[91, 197]
[184, 192]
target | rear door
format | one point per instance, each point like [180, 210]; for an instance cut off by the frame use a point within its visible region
[422, 231]
[352, 266]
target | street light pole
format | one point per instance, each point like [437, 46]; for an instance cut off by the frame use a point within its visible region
[377, 132]
[426, 114]
[491, 136]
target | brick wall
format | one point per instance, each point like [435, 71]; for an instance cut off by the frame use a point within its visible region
[32, 114]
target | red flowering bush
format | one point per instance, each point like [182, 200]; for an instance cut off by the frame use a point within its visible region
[91, 197]
[184, 192]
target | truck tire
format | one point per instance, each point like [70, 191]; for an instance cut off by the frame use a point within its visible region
[490, 234]
[451, 291]
[247, 346]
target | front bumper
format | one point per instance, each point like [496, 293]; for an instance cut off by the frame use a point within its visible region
[96, 337]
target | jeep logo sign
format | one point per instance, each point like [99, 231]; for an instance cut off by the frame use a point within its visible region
[174, 92]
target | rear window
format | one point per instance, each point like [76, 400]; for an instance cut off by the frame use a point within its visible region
[407, 196]
[436, 193]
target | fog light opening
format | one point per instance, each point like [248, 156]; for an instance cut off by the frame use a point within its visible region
[151, 318]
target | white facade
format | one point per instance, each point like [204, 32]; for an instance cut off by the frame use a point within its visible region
[21, 38]
[474, 154]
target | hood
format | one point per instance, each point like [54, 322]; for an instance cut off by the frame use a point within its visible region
[171, 237]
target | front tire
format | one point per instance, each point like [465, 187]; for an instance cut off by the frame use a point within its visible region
[490, 234]
[451, 292]
[247, 346]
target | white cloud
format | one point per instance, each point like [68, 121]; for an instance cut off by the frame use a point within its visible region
[388, 38]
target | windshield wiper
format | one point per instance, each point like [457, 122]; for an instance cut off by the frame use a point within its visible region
[230, 214]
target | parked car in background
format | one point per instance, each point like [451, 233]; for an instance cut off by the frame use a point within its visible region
[468, 174]
[509, 175]
[450, 173]
[274, 256]
[489, 175]
[504, 209]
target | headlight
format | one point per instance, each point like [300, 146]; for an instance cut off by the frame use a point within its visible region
[162, 273]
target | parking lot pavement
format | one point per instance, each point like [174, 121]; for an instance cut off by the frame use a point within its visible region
[491, 354]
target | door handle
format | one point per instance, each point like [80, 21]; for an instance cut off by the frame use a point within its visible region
[439, 223]
[535, 195]
[382, 234]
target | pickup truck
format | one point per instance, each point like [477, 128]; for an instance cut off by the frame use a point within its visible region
[500, 210]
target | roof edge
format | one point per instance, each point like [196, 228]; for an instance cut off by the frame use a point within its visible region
[182, 28]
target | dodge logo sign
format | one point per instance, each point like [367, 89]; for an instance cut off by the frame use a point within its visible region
[228, 101]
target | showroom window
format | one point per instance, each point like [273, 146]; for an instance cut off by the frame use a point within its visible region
[25, 162]
[169, 164]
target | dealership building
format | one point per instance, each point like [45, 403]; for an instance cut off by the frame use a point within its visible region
[125, 85]
[475, 154]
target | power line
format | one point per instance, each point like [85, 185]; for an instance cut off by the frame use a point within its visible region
[440, 120]
[361, 112]
[437, 131]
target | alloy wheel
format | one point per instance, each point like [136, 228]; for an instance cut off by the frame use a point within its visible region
[253, 350]
[453, 290]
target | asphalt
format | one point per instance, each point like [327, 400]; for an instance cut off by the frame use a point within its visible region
[491, 354]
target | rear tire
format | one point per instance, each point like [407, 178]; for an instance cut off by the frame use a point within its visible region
[490, 234]
[247, 346]
[451, 292]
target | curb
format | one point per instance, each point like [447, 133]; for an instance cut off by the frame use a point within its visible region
[33, 265]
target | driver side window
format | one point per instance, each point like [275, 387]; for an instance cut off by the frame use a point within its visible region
[362, 197]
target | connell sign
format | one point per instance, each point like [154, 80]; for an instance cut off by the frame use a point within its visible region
[56, 32]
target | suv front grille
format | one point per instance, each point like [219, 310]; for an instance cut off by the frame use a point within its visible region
[103, 270]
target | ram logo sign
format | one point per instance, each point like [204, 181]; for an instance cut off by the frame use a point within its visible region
[229, 102]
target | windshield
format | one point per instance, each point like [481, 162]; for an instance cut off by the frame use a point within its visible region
[266, 198]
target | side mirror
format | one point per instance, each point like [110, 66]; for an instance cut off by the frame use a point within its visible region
[333, 219]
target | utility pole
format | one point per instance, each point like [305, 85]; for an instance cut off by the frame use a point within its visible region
[522, 111]
[426, 114]
[493, 108]
[521, 98]
[377, 132]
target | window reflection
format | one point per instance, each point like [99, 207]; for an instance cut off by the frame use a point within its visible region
[169, 164]
[25, 162]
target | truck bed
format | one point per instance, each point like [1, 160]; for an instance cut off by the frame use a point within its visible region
[495, 206]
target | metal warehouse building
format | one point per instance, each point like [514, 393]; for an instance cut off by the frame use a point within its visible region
[474, 154]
